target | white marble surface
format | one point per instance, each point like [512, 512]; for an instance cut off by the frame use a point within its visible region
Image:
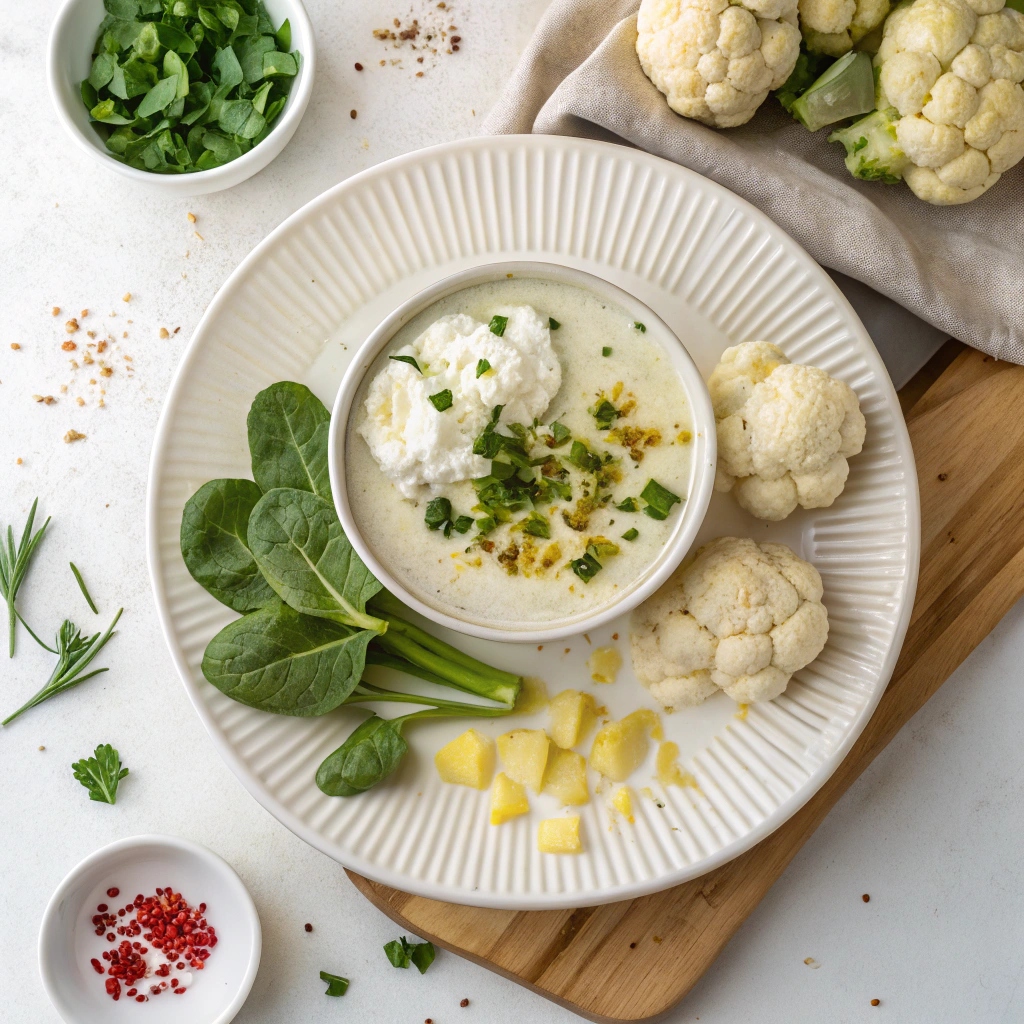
[930, 831]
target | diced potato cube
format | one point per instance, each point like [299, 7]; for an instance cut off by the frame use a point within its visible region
[620, 747]
[623, 803]
[524, 753]
[533, 696]
[573, 715]
[467, 761]
[559, 835]
[604, 664]
[508, 799]
[566, 777]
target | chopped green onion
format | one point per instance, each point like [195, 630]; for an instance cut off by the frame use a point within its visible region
[628, 505]
[605, 413]
[439, 512]
[606, 351]
[498, 325]
[442, 400]
[631, 534]
[536, 525]
[583, 458]
[559, 435]
[640, 327]
[482, 367]
[407, 359]
[553, 324]
[586, 567]
[659, 500]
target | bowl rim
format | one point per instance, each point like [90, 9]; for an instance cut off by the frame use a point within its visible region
[244, 901]
[703, 465]
[237, 170]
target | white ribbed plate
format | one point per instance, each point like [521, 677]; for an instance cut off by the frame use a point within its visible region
[719, 272]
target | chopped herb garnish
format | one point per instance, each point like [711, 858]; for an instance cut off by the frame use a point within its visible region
[101, 773]
[583, 458]
[407, 359]
[559, 435]
[631, 534]
[463, 524]
[536, 525]
[401, 952]
[485, 525]
[600, 547]
[640, 327]
[606, 351]
[482, 367]
[439, 512]
[553, 324]
[659, 500]
[628, 505]
[178, 86]
[442, 400]
[605, 413]
[498, 325]
[488, 443]
[586, 567]
[336, 986]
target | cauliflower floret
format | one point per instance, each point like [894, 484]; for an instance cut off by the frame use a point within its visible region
[833, 26]
[952, 70]
[715, 61]
[784, 431]
[741, 617]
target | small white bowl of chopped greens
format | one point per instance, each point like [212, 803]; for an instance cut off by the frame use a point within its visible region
[186, 96]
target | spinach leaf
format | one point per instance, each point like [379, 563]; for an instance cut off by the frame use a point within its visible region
[401, 952]
[370, 754]
[276, 660]
[214, 528]
[305, 556]
[161, 95]
[288, 428]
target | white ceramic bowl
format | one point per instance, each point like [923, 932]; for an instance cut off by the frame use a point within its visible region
[67, 940]
[702, 467]
[69, 60]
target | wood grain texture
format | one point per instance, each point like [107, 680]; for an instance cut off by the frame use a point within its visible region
[634, 960]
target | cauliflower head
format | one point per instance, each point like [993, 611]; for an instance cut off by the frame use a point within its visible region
[833, 26]
[716, 62]
[784, 431]
[742, 617]
[951, 70]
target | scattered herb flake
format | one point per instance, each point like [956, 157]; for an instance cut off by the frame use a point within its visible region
[559, 435]
[606, 351]
[401, 952]
[101, 773]
[407, 359]
[536, 525]
[605, 413]
[336, 985]
[642, 328]
[659, 500]
[553, 324]
[586, 567]
[628, 505]
[600, 547]
[442, 400]
[583, 458]
[631, 534]
[498, 325]
[482, 367]
[439, 512]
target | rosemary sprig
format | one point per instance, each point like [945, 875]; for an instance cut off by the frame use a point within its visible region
[74, 654]
[14, 563]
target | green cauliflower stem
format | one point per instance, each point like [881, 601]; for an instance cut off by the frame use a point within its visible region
[872, 153]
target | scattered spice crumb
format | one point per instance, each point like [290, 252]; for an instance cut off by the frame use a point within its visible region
[124, 334]
[811, 962]
[15, 346]
[84, 313]
[875, 1002]
[63, 389]
[41, 748]
[175, 331]
[191, 217]
[73, 435]
[107, 371]
[359, 67]
[656, 939]
[943, 476]
[632, 945]
[80, 400]
[464, 1002]
[199, 236]
[419, 74]
[308, 927]
[91, 334]
[55, 311]
[71, 326]
[127, 297]
[69, 346]
[353, 114]
[164, 333]
[17, 462]
[866, 898]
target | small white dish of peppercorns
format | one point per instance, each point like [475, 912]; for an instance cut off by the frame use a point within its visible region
[152, 920]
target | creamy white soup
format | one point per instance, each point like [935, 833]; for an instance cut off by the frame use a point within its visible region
[520, 453]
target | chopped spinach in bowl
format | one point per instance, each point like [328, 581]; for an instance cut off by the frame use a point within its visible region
[187, 85]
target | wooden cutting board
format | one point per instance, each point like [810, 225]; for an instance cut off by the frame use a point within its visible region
[605, 963]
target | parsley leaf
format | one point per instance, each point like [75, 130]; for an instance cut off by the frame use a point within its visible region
[442, 400]
[407, 359]
[482, 367]
[640, 327]
[101, 773]
[439, 511]
[401, 952]
[498, 325]
[336, 986]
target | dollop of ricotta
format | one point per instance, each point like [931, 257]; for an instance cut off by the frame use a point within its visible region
[415, 445]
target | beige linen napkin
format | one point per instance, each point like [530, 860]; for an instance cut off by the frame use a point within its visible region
[959, 268]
